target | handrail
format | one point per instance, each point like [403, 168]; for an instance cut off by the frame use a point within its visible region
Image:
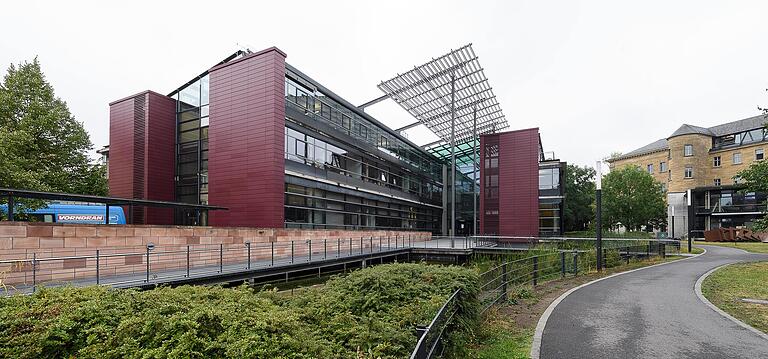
[419, 351]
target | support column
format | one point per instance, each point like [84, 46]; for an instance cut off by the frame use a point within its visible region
[474, 171]
[444, 228]
[452, 231]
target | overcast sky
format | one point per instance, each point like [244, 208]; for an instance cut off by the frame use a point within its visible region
[594, 76]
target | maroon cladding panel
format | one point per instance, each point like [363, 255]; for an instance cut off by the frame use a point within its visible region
[121, 122]
[518, 184]
[160, 137]
[141, 159]
[246, 170]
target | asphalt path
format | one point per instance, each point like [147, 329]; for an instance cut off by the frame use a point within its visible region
[650, 313]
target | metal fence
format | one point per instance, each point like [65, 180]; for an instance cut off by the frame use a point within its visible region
[514, 275]
[430, 339]
[150, 264]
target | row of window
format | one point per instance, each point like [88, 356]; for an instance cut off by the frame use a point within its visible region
[321, 107]
[716, 162]
[303, 148]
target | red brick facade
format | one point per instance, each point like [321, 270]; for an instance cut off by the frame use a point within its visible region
[513, 208]
[246, 140]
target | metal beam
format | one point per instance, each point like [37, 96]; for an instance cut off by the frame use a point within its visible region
[453, 158]
[412, 125]
[373, 102]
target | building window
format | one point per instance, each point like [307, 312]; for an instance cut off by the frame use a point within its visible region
[662, 167]
[688, 150]
[549, 178]
[717, 182]
[664, 187]
[688, 172]
[737, 158]
[716, 161]
[650, 168]
[759, 154]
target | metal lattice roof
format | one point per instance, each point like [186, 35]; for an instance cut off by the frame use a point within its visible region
[425, 92]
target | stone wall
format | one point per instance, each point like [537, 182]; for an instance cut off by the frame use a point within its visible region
[122, 249]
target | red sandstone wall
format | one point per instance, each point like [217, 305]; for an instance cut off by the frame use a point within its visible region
[246, 170]
[122, 249]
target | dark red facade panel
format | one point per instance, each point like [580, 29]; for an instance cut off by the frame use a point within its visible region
[142, 135]
[509, 200]
[246, 170]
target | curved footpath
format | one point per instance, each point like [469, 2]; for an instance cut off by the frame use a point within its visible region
[650, 313]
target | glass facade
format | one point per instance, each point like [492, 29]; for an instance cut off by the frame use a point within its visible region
[405, 182]
[740, 138]
[192, 148]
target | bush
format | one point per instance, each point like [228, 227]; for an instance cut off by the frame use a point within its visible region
[371, 312]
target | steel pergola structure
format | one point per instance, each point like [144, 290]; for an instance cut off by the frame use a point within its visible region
[451, 96]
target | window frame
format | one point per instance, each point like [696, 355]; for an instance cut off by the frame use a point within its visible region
[733, 158]
[717, 161]
[686, 147]
[759, 152]
[686, 172]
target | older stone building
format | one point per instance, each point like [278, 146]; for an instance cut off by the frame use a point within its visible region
[704, 163]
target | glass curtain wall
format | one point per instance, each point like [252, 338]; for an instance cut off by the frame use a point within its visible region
[192, 148]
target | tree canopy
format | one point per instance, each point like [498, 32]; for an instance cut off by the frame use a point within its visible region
[632, 198]
[42, 146]
[579, 197]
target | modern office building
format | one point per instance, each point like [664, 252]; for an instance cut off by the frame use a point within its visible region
[522, 192]
[279, 149]
[703, 163]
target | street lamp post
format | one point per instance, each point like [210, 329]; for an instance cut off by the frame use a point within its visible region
[599, 215]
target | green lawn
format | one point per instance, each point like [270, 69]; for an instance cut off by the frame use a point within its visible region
[754, 247]
[694, 249]
[726, 287]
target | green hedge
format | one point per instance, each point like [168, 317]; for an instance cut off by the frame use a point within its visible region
[368, 313]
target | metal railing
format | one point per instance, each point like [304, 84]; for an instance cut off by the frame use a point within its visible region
[514, 275]
[430, 339]
[149, 264]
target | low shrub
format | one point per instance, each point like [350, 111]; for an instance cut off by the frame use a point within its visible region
[368, 313]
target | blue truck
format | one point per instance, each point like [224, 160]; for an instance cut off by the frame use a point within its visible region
[74, 213]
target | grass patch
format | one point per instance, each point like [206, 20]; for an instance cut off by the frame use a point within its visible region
[694, 249]
[726, 287]
[754, 247]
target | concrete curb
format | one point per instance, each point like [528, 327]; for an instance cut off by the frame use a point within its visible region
[537, 335]
[697, 289]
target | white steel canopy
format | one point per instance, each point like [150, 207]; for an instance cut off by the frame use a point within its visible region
[452, 83]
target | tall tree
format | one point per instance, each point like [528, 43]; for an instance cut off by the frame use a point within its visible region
[632, 198]
[579, 197]
[42, 146]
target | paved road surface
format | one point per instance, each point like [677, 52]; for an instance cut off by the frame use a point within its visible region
[651, 313]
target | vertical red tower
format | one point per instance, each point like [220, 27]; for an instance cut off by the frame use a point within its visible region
[246, 140]
[141, 145]
[509, 183]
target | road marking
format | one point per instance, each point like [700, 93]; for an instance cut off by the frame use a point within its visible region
[537, 335]
[697, 289]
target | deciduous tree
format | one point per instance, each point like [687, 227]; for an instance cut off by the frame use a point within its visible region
[579, 197]
[632, 198]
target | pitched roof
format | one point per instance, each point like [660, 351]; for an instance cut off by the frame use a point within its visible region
[656, 146]
[687, 129]
[746, 124]
[739, 126]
